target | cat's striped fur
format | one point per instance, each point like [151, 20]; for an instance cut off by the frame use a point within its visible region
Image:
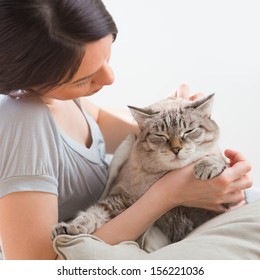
[174, 133]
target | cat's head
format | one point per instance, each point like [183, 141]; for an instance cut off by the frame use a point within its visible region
[177, 131]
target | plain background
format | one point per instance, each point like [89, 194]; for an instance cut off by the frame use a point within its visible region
[211, 45]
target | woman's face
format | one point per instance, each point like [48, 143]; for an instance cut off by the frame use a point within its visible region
[93, 73]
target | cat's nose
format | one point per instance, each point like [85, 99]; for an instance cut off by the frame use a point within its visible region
[176, 150]
[176, 145]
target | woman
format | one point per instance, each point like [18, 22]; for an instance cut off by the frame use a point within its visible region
[52, 54]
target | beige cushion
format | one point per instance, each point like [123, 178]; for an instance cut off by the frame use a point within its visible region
[234, 235]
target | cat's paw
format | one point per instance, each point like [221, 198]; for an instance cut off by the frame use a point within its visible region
[208, 168]
[69, 229]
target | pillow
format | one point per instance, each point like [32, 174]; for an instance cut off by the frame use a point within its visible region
[119, 157]
[231, 236]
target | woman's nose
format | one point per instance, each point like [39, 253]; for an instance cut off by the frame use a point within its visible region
[105, 75]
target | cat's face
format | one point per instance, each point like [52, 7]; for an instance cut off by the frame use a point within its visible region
[176, 132]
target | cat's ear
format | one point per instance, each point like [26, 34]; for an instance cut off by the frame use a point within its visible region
[141, 115]
[204, 105]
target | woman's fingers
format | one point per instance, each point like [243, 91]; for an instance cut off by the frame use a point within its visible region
[197, 96]
[231, 201]
[234, 156]
[183, 91]
[243, 202]
[239, 167]
[234, 198]
[241, 184]
[233, 179]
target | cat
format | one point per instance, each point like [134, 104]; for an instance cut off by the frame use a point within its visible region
[174, 132]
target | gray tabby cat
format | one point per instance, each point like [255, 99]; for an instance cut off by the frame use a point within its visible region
[174, 133]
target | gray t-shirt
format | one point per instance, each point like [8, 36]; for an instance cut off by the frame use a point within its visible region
[36, 155]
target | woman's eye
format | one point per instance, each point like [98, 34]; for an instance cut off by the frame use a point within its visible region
[82, 84]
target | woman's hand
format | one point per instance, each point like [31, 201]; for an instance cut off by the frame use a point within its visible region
[180, 187]
[183, 91]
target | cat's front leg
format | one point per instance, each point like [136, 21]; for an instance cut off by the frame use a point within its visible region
[209, 167]
[69, 228]
[85, 223]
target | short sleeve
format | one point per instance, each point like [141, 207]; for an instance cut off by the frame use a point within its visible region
[28, 147]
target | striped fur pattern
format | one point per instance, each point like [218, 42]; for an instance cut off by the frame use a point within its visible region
[174, 133]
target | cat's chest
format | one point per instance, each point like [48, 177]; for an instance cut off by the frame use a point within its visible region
[136, 180]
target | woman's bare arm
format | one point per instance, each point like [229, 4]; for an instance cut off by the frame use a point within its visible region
[26, 221]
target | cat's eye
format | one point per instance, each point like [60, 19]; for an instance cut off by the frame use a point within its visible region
[193, 133]
[157, 139]
[189, 131]
[161, 136]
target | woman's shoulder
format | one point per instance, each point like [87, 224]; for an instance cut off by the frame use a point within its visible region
[20, 106]
[29, 147]
[26, 119]
[29, 112]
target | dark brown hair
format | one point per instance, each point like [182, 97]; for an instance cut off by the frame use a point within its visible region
[42, 41]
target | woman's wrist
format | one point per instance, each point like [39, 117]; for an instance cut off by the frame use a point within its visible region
[173, 185]
[131, 223]
[162, 194]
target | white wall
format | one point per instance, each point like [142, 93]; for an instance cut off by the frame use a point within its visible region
[211, 45]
